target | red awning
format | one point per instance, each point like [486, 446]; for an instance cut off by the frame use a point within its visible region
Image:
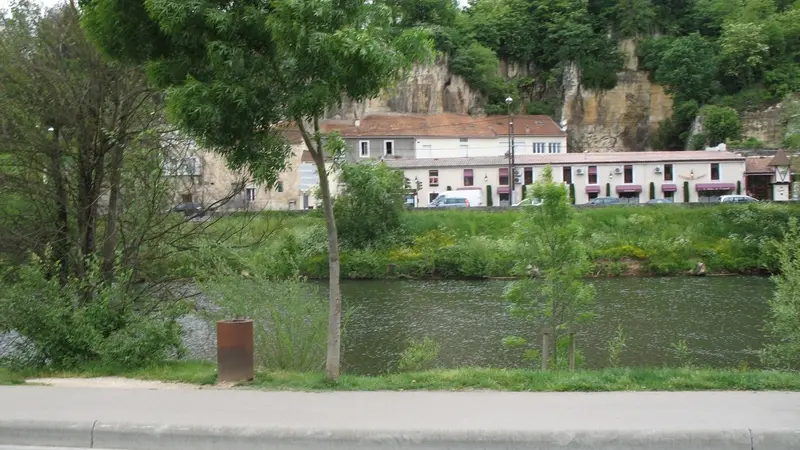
[503, 190]
[715, 186]
[669, 188]
[629, 188]
[593, 188]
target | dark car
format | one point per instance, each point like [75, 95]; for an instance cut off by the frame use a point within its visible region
[189, 209]
[601, 201]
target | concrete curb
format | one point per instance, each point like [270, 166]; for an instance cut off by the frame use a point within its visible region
[46, 434]
[159, 437]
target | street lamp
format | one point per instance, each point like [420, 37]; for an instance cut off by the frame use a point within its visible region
[509, 100]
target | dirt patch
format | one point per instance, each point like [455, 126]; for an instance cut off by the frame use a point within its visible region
[117, 383]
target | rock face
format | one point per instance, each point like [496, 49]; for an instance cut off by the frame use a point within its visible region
[621, 119]
[429, 89]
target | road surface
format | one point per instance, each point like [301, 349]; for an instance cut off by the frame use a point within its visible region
[199, 419]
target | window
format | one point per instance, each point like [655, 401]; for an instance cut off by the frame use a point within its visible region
[388, 148]
[628, 174]
[593, 195]
[463, 150]
[468, 178]
[528, 175]
[538, 147]
[566, 174]
[279, 186]
[669, 196]
[364, 148]
[503, 177]
[554, 147]
[463, 139]
[432, 196]
[715, 171]
[667, 172]
[186, 198]
[592, 174]
[250, 194]
[433, 178]
[519, 147]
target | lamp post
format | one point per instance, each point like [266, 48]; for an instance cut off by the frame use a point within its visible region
[509, 100]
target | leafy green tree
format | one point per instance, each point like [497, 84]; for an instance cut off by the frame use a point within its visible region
[721, 124]
[411, 13]
[687, 69]
[552, 293]
[784, 321]
[236, 71]
[743, 49]
[478, 65]
[634, 17]
[370, 207]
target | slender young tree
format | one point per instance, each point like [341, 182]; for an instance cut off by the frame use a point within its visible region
[237, 71]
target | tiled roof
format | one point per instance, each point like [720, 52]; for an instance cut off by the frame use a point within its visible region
[570, 158]
[444, 125]
[758, 164]
[780, 159]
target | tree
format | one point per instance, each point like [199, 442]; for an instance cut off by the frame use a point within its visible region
[372, 203]
[235, 72]
[784, 322]
[687, 69]
[721, 123]
[743, 49]
[552, 293]
[652, 191]
[411, 13]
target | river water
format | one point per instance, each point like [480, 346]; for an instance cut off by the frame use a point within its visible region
[720, 318]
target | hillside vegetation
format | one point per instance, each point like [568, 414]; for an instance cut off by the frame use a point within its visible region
[717, 58]
[667, 240]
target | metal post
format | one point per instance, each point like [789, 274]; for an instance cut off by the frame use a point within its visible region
[572, 352]
[545, 349]
[509, 100]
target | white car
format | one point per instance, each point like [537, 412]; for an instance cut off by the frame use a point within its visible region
[736, 199]
[529, 202]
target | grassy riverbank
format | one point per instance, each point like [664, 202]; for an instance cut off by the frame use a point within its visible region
[657, 240]
[465, 379]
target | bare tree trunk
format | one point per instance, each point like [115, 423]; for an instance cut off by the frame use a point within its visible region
[110, 242]
[62, 201]
[332, 361]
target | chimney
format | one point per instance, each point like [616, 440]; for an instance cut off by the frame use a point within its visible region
[357, 123]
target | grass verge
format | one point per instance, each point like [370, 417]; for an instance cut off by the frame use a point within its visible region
[638, 379]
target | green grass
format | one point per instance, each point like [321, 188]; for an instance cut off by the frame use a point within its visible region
[639, 379]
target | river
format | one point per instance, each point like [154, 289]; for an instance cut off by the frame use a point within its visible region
[720, 318]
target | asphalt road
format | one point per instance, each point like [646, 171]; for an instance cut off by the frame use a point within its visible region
[180, 419]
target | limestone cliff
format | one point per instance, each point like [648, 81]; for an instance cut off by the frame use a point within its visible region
[429, 89]
[621, 119]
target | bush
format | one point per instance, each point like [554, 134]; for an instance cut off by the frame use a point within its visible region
[721, 124]
[419, 355]
[290, 318]
[86, 320]
[371, 205]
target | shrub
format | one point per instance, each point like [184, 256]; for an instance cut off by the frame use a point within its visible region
[721, 124]
[371, 205]
[86, 320]
[686, 192]
[290, 318]
[419, 355]
[615, 347]
[489, 199]
[784, 322]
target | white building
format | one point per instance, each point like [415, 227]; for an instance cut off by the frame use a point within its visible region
[700, 176]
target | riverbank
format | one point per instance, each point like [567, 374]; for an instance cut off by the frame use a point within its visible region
[655, 240]
[607, 380]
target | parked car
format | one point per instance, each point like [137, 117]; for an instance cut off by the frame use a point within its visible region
[460, 198]
[449, 202]
[189, 209]
[659, 201]
[736, 199]
[529, 202]
[601, 201]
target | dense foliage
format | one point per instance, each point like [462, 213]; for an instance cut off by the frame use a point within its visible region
[738, 54]
[370, 207]
[784, 323]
